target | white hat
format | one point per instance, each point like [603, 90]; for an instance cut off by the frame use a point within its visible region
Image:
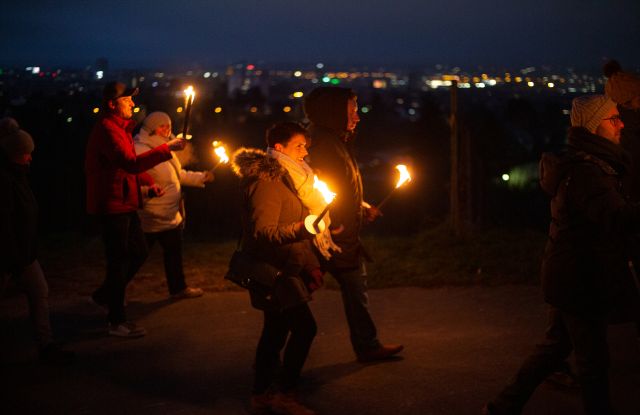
[588, 111]
[155, 120]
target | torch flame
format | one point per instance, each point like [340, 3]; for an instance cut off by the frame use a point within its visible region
[324, 189]
[189, 94]
[404, 175]
[220, 151]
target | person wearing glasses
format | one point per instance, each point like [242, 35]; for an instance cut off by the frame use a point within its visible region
[585, 264]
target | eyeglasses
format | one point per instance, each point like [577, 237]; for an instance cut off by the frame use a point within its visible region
[614, 120]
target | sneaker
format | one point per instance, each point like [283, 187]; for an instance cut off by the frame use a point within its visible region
[381, 353]
[188, 292]
[127, 329]
[53, 355]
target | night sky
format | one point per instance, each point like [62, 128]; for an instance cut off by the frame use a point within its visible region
[168, 34]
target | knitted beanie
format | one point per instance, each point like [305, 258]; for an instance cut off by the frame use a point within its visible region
[622, 87]
[155, 120]
[14, 142]
[589, 110]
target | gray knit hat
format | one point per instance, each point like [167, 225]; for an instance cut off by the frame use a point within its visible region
[14, 141]
[589, 110]
[155, 120]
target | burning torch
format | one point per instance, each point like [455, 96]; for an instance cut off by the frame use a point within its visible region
[221, 152]
[189, 96]
[404, 178]
[314, 224]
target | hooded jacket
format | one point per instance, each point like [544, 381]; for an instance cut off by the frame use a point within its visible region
[114, 172]
[585, 265]
[163, 213]
[273, 231]
[331, 157]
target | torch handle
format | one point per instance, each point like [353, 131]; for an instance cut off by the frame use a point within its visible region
[379, 206]
[187, 113]
[320, 216]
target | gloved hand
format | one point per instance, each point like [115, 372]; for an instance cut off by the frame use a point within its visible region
[325, 244]
[314, 279]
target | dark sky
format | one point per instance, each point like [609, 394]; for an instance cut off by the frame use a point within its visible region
[175, 33]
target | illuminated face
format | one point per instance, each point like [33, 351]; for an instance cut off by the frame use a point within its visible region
[163, 130]
[122, 107]
[352, 114]
[611, 126]
[296, 148]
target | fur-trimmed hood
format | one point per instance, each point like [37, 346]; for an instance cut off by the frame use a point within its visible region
[251, 163]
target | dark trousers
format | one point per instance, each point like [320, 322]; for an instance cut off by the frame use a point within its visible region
[298, 325]
[587, 337]
[171, 243]
[353, 286]
[126, 251]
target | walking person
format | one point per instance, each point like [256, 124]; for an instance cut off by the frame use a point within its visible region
[274, 233]
[114, 177]
[585, 264]
[333, 113]
[18, 236]
[162, 217]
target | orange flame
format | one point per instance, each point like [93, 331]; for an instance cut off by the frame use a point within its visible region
[324, 189]
[220, 151]
[189, 94]
[404, 175]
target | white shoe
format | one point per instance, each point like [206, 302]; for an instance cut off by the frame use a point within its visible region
[127, 329]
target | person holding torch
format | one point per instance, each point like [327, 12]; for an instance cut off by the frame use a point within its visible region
[333, 112]
[274, 233]
[114, 175]
[163, 217]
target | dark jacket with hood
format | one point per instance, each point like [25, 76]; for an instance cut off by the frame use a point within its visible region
[331, 156]
[585, 267]
[18, 217]
[273, 231]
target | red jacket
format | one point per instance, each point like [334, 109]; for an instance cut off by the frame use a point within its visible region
[114, 172]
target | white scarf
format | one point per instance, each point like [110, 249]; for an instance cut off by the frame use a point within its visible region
[302, 176]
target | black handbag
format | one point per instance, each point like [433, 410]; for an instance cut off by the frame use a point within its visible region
[251, 273]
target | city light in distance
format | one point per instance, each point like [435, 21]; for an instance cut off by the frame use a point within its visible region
[217, 110]
[550, 84]
[505, 177]
[253, 109]
[136, 109]
[297, 74]
[530, 84]
[298, 94]
[96, 110]
[286, 109]
[179, 109]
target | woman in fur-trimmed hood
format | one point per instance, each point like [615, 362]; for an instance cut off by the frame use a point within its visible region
[273, 231]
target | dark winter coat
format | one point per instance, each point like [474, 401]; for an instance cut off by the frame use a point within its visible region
[114, 171]
[331, 157]
[18, 218]
[272, 227]
[585, 267]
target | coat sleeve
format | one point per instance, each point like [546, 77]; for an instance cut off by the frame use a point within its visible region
[332, 168]
[191, 178]
[595, 194]
[117, 147]
[264, 213]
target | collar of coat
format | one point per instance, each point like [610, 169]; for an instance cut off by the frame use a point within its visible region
[126, 124]
[251, 163]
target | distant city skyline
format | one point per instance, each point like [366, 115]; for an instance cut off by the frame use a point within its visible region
[579, 33]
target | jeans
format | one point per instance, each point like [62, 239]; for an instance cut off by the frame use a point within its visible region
[296, 323]
[353, 285]
[587, 337]
[126, 251]
[171, 243]
[32, 282]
